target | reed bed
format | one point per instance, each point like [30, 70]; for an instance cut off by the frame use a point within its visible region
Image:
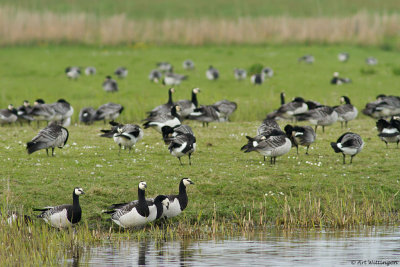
[25, 27]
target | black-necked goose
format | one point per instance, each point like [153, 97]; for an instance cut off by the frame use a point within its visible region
[188, 106]
[348, 144]
[127, 136]
[273, 145]
[50, 137]
[309, 59]
[346, 112]
[389, 132]
[205, 114]
[267, 126]
[343, 57]
[267, 72]
[64, 215]
[24, 111]
[300, 135]
[109, 111]
[240, 74]
[90, 71]
[164, 66]
[177, 203]
[155, 76]
[164, 108]
[87, 115]
[8, 115]
[182, 145]
[289, 110]
[212, 73]
[121, 72]
[168, 132]
[339, 80]
[63, 112]
[73, 72]
[371, 61]
[42, 111]
[257, 79]
[319, 116]
[114, 129]
[110, 85]
[225, 109]
[383, 107]
[171, 78]
[159, 120]
[188, 64]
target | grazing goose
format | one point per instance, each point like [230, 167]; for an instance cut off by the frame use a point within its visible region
[212, 73]
[240, 74]
[63, 112]
[164, 66]
[188, 106]
[389, 132]
[348, 144]
[272, 145]
[73, 72]
[267, 72]
[90, 71]
[177, 203]
[225, 109]
[127, 136]
[300, 135]
[289, 110]
[109, 111]
[159, 120]
[205, 114]
[24, 111]
[164, 108]
[110, 85]
[338, 80]
[52, 136]
[64, 215]
[309, 59]
[257, 79]
[172, 78]
[321, 115]
[8, 115]
[155, 76]
[343, 57]
[371, 61]
[87, 115]
[181, 145]
[121, 72]
[267, 126]
[168, 132]
[42, 111]
[346, 112]
[188, 64]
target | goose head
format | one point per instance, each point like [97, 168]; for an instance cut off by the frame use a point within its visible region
[142, 185]
[187, 181]
[78, 191]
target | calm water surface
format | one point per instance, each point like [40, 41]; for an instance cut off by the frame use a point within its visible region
[368, 247]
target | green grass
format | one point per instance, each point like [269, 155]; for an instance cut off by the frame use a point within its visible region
[159, 9]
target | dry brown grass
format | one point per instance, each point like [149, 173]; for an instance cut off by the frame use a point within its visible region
[19, 27]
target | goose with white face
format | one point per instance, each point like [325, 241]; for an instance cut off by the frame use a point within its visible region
[142, 185]
[79, 191]
[187, 182]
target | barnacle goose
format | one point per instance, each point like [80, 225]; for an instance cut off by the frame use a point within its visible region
[114, 129]
[205, 114]
[12, 216]
[257, 79]
[267, 126]
[164, 66]
[338, 80]
[289, 110]
[171, 78]
[343, 57]
[212, 73]
[177, 203]
[188, 106]
[110, 85]
[109, 111]
[159, 120]
[24, 111]
[371, 61]
[267, 72]
[384, 106]
[50, 137]
[240, 74]
[346, 112]
[389, 132]
[321, 115]
[42, 111]
[225, 109]
[168, 132]
[87, 115]
[73, 72]
[63, 112]
[181, 145]
[309, 59]
[64, 215]
[127, 136]
[348, 144]
[300, 135]
[188, 64]
[155, 76]
[164, 108]
[8, 115]
[121, 72]
[90, 71]
[273, 144]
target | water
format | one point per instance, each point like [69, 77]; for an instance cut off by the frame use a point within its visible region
[302, 248]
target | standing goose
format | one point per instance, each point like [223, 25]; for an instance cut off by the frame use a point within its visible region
[114, 129]
[168, 132]
[63, 112]
[212, 73]
[289, 110]
[8, 115]
[64, 215]
[300, 135]
[205, 114]
[346, 112]
[177, 203]
[42, 111]
[348, 144]
[225, 109]
[321, 115]
[127, 136]
[109, 111]
[181, 145]
[159, 120]
[73, 72]
[164, 108]
[90, 71]
[110, 85]
[50, 137]
[343, 57]
[257, 79]
[87, 115]
[188, 106]
[155, 76]
[188, 64]
[389, 132]
[240, 74]
[273, 145]
[121, 72]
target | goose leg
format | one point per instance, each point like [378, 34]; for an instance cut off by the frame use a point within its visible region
[47, 151]
[344, 159]
[190, 162]
[307, 150]
[204, 124]
[119, 151]
[180, 161]
[341, 125]
[271, 160]
[316, 126]
[386, 144]
[351, 159]
[345, 124]
[274, 160]
[52, 151]
[323, 129]
[264, 158]
[297, 149]
[398, 143]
